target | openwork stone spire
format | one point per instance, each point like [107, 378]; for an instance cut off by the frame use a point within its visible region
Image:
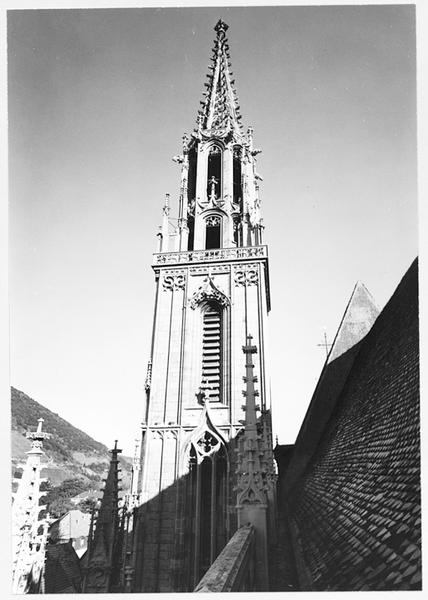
[253, 492]
[251, 484]
[220, 110]
[102, 568]
[28, 532]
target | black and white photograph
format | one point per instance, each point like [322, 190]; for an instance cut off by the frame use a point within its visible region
[213, 302]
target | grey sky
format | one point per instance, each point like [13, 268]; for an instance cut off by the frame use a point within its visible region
[98, 102]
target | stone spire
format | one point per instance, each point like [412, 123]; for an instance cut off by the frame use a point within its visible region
[101, 565]
[220, 112]
[253, 498]
[251, 487]
[28, 532]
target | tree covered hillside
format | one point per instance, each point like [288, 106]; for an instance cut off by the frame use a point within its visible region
[74, 462]
[65, 439]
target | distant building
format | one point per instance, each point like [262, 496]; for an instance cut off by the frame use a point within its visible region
[72, 527]
[87, 495]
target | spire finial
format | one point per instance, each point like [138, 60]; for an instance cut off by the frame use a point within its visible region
[37, 437]
[221, 27]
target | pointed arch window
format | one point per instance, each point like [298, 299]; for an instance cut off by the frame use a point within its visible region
[212, 232]
[237, 176]
[191, 190]
[214, 171]
[208, 498]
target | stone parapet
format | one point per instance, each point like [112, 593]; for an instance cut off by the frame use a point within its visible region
[231, 571]
[203, 256]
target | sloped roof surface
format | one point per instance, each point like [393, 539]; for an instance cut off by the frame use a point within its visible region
[62, 569]
[355, 510]
[358, 318]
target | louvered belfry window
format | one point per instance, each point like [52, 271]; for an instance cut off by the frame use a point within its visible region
[212, 351]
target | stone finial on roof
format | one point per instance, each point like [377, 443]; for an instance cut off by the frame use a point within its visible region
[37, 437]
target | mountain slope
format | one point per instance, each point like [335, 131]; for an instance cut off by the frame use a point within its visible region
[70, 453]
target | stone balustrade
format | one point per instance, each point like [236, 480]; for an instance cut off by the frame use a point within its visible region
[233, 569]
[198, 256]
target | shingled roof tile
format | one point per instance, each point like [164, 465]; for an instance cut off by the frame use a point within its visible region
[352, 488]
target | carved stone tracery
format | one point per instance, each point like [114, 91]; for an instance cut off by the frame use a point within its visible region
[174, 281]
[246, 275]
[213, 221]
[208, 291]
[205, 438]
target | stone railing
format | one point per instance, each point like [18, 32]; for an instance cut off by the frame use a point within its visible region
[233, 569]
[196, 256]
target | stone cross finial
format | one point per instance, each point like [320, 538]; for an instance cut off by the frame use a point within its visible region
[37, 436]
[221, 28]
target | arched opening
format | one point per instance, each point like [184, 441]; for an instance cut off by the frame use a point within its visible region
[212, 350]
[237, 177]
[207, 486]
[237, 231]
[214, 172]
[191, 195]
[191, 226]
[212, 232]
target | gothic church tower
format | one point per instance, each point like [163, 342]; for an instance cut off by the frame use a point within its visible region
[212, 291]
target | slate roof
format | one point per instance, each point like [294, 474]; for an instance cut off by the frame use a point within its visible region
[62, 569]
[354, 509]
